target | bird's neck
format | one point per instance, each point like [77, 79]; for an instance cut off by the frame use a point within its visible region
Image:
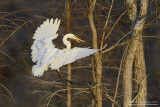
[66, 42]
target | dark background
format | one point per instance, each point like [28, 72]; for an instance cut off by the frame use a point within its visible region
[16, 79]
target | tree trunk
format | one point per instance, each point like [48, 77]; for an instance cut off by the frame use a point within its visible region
[97, 56]
[140, 76]
[140, 68]
[131, 6]
[68, 17]
[128, 64]
[69, 98]
[127, 69]
[98, 82]
[133, 47]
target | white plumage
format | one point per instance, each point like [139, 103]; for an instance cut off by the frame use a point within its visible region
[44, 53]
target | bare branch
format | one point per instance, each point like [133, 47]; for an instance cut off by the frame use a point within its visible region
[105, 26]
[13, 33]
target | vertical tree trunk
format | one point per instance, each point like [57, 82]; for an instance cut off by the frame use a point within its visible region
[68, 17]
[140, 68]
[94, 79]
[128, 63]
[98, 82]
[131, 6]
[127, 75]
[96, 55]
[140, 76]
[133, 52]
[69, 98]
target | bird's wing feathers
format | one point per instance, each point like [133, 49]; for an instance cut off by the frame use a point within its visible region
[43, 49]
[47, 29]
[68, 56]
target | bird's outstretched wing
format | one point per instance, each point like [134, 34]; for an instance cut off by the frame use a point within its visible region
[43, 49]
[67, 56]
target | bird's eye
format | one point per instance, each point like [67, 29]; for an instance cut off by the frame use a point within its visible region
[69, 39]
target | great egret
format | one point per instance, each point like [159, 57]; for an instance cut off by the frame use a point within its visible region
[46, 55]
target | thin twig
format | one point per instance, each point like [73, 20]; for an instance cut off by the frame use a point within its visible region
[115, 24]
[7, 56]
[118, 78]
[12, 33]
[105, 26]
[8, 92]
[110, 98]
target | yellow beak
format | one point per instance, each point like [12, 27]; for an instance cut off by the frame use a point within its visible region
[78, 39]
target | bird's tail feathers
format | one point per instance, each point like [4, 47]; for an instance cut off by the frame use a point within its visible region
[37, 71]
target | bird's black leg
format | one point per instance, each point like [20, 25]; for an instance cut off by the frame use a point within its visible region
[61, 76]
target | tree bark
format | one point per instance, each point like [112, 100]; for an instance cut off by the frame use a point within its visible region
[128, 64]
[140, 76]
[131, 6]
[97, 56]
[129, 56]
[98, 82]
[69, 98]
[69, 73]
[140, 68]
[133, 47]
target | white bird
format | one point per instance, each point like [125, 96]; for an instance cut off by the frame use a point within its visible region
[44, 53]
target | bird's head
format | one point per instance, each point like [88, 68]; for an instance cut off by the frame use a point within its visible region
[72, 36]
